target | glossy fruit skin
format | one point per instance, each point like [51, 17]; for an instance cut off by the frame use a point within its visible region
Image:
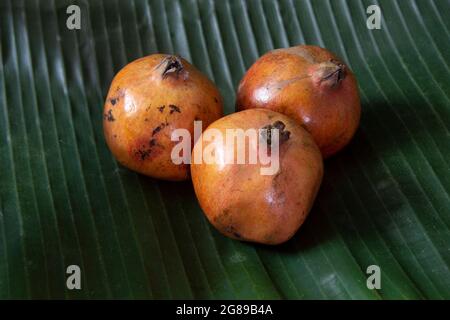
[245, 205]
[309, 84]
[147, 100]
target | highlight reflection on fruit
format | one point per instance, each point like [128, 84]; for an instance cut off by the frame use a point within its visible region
[241, 202]
[309, 84]
[147, 100]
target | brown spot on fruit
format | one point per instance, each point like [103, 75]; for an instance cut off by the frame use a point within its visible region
[109, 116]
[145, 150]
[161, 108]
[174, 108]
[115, 99]
[143, 153]
[159, 128]
[156, 130]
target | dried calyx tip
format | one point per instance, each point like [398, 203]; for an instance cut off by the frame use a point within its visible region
[278, 125]
[172, 65]
[333, 72]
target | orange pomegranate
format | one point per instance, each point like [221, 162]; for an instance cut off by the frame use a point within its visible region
[241, 201]
[309, 84]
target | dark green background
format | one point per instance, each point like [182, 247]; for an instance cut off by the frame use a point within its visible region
[385, 200]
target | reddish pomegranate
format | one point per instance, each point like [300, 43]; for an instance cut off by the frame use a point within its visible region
[310, 85]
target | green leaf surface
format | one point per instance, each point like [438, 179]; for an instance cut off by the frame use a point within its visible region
[385, 199]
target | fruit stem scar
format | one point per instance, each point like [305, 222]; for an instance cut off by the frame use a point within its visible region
[174, 108]
[109, 116]
[159, 128]
[279, 125]
[172, 66]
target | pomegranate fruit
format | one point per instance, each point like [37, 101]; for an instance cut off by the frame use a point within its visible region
[240, 201]
[309, 84]
[148, 99]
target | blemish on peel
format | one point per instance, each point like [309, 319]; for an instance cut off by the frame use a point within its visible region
[173, 108]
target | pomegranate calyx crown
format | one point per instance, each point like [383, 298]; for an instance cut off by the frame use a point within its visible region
[172, 66]
[330, 73]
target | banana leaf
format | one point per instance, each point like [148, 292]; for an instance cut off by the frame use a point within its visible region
[64, 200]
